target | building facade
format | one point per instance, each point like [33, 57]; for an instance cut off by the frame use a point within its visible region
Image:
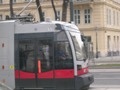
[98, 20]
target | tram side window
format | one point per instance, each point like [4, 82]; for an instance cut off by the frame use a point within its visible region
[63, 55]
[26, 55]
[30, 53]
[44, 54]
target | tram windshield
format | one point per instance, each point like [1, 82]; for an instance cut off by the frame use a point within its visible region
[78, 45]
[63, 53]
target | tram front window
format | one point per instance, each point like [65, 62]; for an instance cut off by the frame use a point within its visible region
[63, 55]
[78, 45]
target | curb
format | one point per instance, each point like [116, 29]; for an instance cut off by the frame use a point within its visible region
[104, 70]
[105, 86]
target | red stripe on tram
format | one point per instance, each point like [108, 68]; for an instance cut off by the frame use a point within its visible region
[24, 75]
[49, 74]
[64, 73]
[67, 73]
[82, 71]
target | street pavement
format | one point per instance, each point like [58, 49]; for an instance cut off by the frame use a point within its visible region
[104, 70]
[4, 87]
[104, 60]
[105, 79]
[101, 88]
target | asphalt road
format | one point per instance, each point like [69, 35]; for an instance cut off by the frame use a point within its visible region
[106, 81]
[98, 88]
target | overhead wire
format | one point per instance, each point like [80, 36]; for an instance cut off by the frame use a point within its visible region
[24, 8]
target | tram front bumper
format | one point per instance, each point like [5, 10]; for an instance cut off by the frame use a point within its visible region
[83, 81]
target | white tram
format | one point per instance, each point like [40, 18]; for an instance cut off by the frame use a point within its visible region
[47, 55]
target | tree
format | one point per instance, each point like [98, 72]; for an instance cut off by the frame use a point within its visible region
[11, 8]
[64, 9]
[39, 10]
[52, 1]
[71, 11]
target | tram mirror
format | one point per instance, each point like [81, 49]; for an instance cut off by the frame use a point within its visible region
[84, 59]
[83, 38]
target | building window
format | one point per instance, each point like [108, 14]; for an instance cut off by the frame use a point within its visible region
[14, 1]
[88, 38]
[113, 17]
[108, 43]
[117, 19]
[109, 16]
[77, 16]
[1, 1]
[87, 15]
[118, 43]
[43, 13]
[27, 0]
[1, 17]
[114, 43]
[58, 15]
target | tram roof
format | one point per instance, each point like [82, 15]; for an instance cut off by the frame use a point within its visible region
[66, 24]
[46, 26]
[71, 25]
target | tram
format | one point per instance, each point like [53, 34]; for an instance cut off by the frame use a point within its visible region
[47, 55]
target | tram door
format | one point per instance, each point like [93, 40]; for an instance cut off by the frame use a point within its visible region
[36, 63]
